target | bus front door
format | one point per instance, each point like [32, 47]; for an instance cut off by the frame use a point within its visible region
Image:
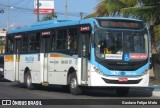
[45, 49]
[17, 60]
[84, 54]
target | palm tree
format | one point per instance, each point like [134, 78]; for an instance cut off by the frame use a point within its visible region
[112, 7]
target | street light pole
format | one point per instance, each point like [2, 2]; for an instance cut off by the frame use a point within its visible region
[81, 15]
[66, 8]
[8, 17]
[37, 10]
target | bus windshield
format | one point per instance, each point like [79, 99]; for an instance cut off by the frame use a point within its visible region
[111, 44]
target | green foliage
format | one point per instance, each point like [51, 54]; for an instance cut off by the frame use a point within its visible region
[91, 15]
[144, 12]
[1, 45]
[129, 3]
[49, 17]
[157, 37]
[101, 9]
[157, 33]
[144, 9]
[113, 7]
[1, 42]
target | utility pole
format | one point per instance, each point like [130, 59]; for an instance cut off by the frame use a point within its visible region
[37, 10]
[66, 8]
[8, 17]
[81, 15]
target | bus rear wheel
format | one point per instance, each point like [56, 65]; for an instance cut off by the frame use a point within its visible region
[73, 85]
[122, 91]
[28, 81]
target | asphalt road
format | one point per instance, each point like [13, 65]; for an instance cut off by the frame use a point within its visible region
[12, 90]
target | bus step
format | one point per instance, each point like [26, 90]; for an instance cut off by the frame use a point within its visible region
[45, 84]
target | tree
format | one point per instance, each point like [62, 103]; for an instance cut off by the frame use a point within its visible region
[2, 46]
[49, 17]
[112, 7]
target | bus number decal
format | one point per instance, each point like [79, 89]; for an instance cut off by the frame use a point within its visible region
[66, 61]
[114, 72]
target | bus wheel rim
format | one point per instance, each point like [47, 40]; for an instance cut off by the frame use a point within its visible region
[28, 81]
[73, 83]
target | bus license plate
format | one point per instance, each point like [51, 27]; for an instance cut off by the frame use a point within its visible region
[123, 79]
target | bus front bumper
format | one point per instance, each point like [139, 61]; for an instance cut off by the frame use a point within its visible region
[112, 81]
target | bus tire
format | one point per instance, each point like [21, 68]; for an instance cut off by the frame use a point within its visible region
[122, 91]
[73, 85]
[66, 88]
[1, 76]
[28, 81]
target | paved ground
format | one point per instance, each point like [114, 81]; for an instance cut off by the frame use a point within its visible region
[12, 90]
[15, 90]
[154, 85]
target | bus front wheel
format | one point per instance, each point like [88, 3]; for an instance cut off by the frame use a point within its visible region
[28, 81]
[122, 91]
[73, 85]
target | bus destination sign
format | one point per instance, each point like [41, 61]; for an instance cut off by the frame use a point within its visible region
[120, 24]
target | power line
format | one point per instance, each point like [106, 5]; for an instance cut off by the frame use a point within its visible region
[19, 2]
[28, 2]
[15, 7]
[19, 10]
[31, 10]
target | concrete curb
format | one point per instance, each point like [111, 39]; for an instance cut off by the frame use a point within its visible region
[156, 90]
[156, 93]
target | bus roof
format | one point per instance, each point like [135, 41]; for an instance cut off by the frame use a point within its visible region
[46, 25]
[62, 22]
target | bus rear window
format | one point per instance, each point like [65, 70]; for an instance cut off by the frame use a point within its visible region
[120, 24]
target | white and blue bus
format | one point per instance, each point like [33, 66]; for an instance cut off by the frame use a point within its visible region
[95, 52]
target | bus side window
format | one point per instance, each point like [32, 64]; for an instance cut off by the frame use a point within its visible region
[53, 37]
[25, 44]
[72, 38]
[10, 41]
[61, 39]
[34, 42]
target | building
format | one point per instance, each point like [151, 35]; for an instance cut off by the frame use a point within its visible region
[3, 33]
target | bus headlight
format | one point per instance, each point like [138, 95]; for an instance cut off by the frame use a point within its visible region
[145, 72]
[1, 69]
[98, 71]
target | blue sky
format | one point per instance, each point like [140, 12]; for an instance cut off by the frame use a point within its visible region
[25, 16]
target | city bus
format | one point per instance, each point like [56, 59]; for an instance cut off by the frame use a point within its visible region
[100, 52]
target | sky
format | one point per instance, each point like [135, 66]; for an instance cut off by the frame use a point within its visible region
[21, 12]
